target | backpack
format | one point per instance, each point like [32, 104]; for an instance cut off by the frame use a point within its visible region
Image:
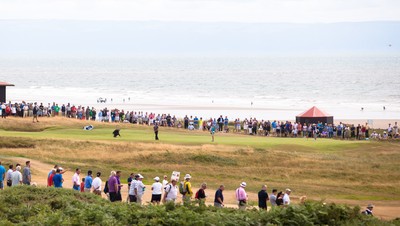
[182, 188]
[197, 195]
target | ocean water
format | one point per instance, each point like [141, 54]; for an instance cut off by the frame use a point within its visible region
[262, 87]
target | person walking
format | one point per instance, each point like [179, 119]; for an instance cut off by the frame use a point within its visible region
[241, 196]
[139, 189]
[155, 128]
[9, 174]
[88, 182]
[16, 177]
[171, 192]
[368, 211]
[219, 197]
[76, 180]
[286, 197]
[272, 197]
[26, 176]
[2, 176]
[263, 197]
[96, 184]
[50, 182]
[187, 189]
[113, 186]
[201, 194]
[58, 179]
[156, 191]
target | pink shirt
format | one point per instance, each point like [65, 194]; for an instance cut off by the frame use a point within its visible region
[241, 194]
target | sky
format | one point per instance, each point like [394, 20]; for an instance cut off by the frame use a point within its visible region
[245, 11]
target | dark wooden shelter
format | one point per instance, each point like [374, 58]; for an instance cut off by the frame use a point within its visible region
[3, 86]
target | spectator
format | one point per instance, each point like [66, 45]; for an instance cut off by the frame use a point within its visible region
[2, 176]
[50, 178]
[88, 181]
[279, 199]
[219, 197]
[96, 184]
[171, 192]
[286, 197]
[16, 177]
[129, 180]
[201, 194]
[188, 193]
[272, 197]
[9, 174]
[132, 191]
[368, 211]
[58, 179]
[241, 196]
[113, 186]
[263, 197]
[139, 189]
[156, 191]
[76, 180]
[82, 186]
[26, 177]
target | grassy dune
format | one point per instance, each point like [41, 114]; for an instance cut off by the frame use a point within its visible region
[356, 170]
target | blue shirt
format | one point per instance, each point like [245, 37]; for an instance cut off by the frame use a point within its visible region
[88, 182]
[57, 181]
[2, 171]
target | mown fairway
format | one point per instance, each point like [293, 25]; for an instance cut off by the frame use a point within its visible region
[334, 169]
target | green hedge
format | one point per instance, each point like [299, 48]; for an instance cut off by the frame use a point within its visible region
[48, 206]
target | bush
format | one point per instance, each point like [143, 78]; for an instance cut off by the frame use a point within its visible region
[49, 206]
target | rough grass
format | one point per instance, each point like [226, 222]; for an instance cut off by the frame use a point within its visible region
[319, 169]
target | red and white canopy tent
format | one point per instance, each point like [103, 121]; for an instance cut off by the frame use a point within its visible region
[314, 115]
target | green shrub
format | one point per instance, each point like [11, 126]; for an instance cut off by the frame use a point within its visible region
[49, 206]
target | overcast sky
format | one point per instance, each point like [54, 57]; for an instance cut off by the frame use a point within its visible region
[258, 11]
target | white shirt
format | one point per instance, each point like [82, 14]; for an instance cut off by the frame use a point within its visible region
[164, 183]
[286, 199]
[172, 192]
[96, 184]
[132, 187]
[16, 178]
[9, 173]
[157, 188]
[76, 180]
[140, 188]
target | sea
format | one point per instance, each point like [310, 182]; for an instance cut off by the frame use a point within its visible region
[347, 87]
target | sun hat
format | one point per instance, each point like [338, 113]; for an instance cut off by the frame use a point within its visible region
[288, 190]
[187, 176]
[156, 178]
[370, 206]
[243, 184]
[139, 176]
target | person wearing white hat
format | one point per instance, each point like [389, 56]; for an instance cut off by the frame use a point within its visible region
[187, 189]
[286, 197]
[369, 209]
[241, 196]
[156, 191]
[139, 189]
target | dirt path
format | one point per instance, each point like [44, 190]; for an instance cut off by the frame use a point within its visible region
[386, 210]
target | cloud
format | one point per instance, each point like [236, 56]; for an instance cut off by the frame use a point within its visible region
[258, 11]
